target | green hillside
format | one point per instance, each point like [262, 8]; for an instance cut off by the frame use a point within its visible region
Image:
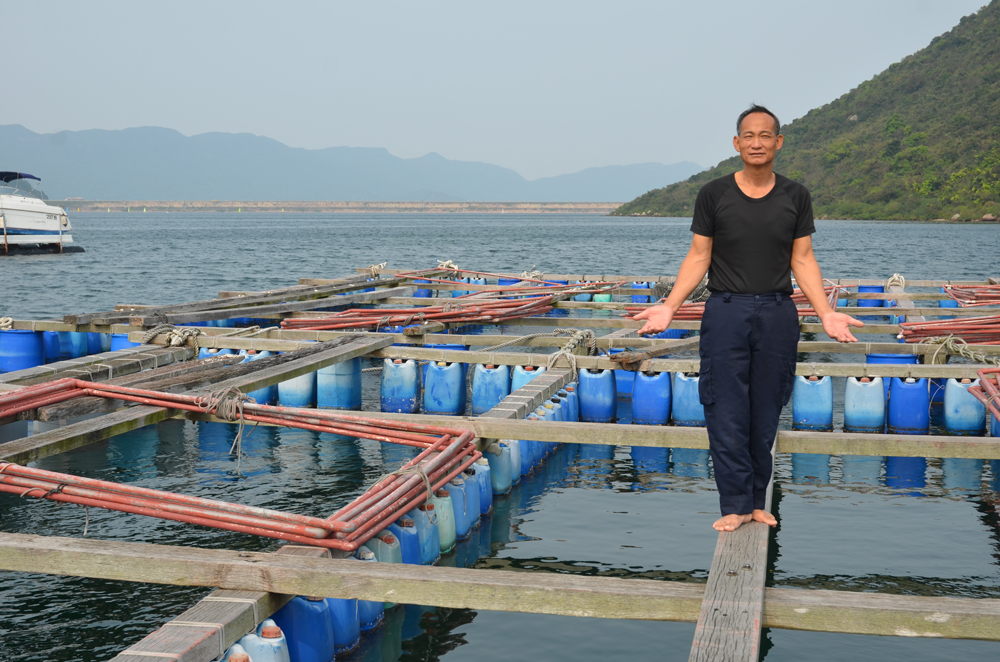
[921, 140]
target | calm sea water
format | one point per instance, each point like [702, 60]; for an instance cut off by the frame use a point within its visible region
[917, 528]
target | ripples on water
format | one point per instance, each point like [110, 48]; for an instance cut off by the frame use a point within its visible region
[845, 523]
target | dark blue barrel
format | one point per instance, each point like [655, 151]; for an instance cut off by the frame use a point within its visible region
[445, 389]
[812, 403]
[370, 613]
[422, 293]
[405, 530]
[346, 626]
[52, 349]
[20, 350]
[905, 472]
[640, 298]
[909, 406]
[504, 282]
[871, 303]
[308, 627]
[598, 396]
[482, 469]
[459, 293]
[890, 358]
[864, 405]
[400, 386]
[490, 385]
[686, 407]
[651, 398]
[338, 386]
[94, 345]
[573, 400]
[472, 495]
[121, 341]
[963, 413]
[72, 344]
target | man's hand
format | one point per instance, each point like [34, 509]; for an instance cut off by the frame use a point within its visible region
[657, 319]
[837, 326]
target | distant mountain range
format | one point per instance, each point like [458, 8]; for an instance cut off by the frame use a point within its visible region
[151, 163]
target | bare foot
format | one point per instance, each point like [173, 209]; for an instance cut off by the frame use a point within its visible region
[731, 522]
[765, 517]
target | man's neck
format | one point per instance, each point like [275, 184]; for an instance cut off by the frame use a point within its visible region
[757, 176]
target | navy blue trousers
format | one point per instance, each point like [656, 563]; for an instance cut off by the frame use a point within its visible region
[748, 351]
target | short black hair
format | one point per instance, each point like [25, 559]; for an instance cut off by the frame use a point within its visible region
[754, 108]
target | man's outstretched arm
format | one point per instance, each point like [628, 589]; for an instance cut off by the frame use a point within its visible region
[693, 269]
[810, 280]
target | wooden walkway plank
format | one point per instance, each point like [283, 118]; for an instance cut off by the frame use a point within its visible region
[731, 614]
[125, 361]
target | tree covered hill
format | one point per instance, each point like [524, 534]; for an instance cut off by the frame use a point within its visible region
[921, 140]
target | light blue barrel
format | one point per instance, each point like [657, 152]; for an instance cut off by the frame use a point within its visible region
[690, 462]
[522, 375]
[338, 386]
[445, 389]
[52, 349]
[569, 394]
[582, 297]
[456, 489]
[121, 341]
[308, 627]
[962, 474]
[515, 460]
[864, 405]
[267, 644]
[72, 344]
[490, 385]
[387, 550]
[477, 281]
[909, 406]
[269, 394]
[472, 492]
[405, 530]
[812, 403]
[555, 404]
[893, 359]
[810, 468]
[370, 612]
[905, 472]
[963, 413]
[299, 391]
[498, 456]
[640, 298]
[20, 350]
[460, 293]
[623, 378]
[426, 521]
[598, 396]
[686, 408]
[400, 386]
[650, 459]
[482, 469]
[651, 398]
[422, 293]
[445, 519]
[346, 626]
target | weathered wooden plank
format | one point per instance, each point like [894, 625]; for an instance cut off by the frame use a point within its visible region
[146, 356]
[145, 319]
[529, 397]
[732, 610]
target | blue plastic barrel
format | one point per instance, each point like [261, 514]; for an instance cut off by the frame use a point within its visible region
[121, 341]
[994, 428]
[405, 530]
[864, 405]
[812, 403]
[686, 408]
[298, 392]
[456, 489]
[810, 468]
[623, 378]
[522, 375]
[640, 298]
[871, 303]
[490, 385]
[421, 293]
[20, 350]
[425, 519]
[482, 469]
[94, 345]
[555, 404]
[338, 386]
[445, 389]
[400, 386]
[308, 628]
[582, 297]
[651, 398]
[472, 492]
[370, 612]
[504, 282]
[346, 624]
[598, 396]
[459, 293]
[498, 455]
[266, 644]
[527, 451]
[909, 406]
[386, 548]
[890, 358]
[51, 340]
[947, 303]
[574, 401]
[963, 413]
[515, 460]
[445, 519]
[72, 344]
[537, 447]
[937, 390]
[269, 394]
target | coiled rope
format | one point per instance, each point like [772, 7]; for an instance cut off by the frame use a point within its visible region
[583, 335]
[374, 269]
[227, 404]
[896, 279]
[554, 334]
[952, 344]
[447, 264]
[532, 273]
[6, 323]
[175, 337]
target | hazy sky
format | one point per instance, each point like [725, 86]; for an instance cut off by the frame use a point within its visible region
[544, 88]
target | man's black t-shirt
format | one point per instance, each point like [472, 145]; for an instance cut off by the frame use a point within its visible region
[752, 237]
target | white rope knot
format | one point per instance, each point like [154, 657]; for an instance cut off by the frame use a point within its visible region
[531, 273]
[955, 345]
[374, 269]
[579, 336]
[415, 470]
[447, 264]
[6, 323]
[227, 404]
[896, 279]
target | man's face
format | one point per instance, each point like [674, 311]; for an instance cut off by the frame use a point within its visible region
[757, 142]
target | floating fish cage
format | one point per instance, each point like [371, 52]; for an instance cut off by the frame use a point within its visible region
[481, 379]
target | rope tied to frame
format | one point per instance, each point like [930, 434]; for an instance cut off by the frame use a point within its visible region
[416, 470]
[532, 273]
[175, 337]
[447, 264]
[374, 269]
[6, 323]
[896, 279]
[955, 345]
[227, 404]
[554, 334]
[580, 336]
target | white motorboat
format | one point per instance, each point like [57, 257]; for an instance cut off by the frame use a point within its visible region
[26, 220]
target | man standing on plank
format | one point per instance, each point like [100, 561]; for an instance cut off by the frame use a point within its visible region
[751, 231]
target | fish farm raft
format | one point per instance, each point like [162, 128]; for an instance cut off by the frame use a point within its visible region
[481, 377]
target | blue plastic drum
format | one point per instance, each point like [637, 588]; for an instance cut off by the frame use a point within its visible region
[20, 350]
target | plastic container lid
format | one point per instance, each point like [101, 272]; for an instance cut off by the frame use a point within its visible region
[529, 368]
[397, 361]
[570, 389]
[482, 462]
[406, 522]
[966, 380]
[270, 632]
[490, 366]
[457, 481]
[813, 378]
[865, 380]
[442, 363]
[426, 507]
[314, 598]
[239, 657]
[387, 538]
[441, 493]
[365, 554]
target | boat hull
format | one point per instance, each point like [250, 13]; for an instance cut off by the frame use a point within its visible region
[27, 221]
